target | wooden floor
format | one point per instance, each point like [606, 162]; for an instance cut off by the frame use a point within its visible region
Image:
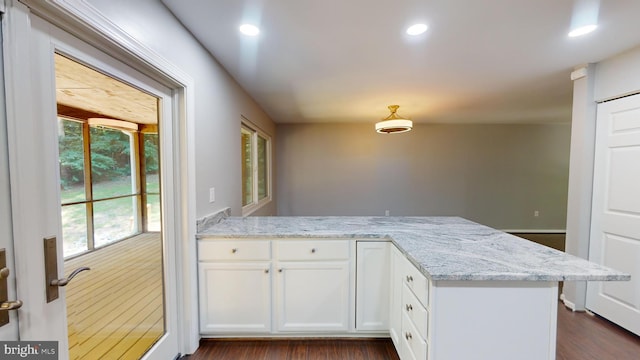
[115, 310]
[589, 337]
[317, 349]
[580, 337]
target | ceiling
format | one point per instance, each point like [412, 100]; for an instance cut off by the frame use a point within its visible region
[84, 92]
[481, 61]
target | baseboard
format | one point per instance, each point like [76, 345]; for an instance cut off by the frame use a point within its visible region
[535, 231]
[570, 305]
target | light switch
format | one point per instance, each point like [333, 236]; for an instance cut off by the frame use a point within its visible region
[212, 195]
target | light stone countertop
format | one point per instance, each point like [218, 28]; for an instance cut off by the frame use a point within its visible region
[443, 248]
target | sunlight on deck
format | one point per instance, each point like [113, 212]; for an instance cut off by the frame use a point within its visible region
[115, 311]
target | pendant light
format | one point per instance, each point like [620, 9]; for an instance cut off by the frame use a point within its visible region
[394, 123]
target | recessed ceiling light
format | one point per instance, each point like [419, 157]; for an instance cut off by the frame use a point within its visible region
[249, 30]
[583, 30]
[417, 29]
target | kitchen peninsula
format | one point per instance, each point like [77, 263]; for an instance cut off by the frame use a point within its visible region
[440, 287]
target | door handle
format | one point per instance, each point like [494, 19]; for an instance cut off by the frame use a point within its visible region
[5, 304]
[10, 305]
[65, 281]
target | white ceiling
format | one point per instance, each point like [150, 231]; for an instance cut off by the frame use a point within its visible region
[481, 61]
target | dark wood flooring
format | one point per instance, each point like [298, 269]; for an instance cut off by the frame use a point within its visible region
[293, 349]
[590, 337]
[580, 337]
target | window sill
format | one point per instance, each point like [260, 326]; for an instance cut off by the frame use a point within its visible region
[247, 210]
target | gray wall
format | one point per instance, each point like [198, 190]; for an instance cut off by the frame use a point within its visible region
[219, 100]
[494, 174]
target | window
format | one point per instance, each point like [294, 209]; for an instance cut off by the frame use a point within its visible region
[105, 177]
[256, 168]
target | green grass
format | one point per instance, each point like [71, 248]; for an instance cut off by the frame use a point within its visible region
[113, 219]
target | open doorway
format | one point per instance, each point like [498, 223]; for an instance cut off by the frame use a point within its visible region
[108, 147]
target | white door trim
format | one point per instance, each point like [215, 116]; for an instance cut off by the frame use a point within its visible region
[88, 24]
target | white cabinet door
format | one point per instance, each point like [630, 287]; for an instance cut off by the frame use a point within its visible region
[372, 286]
[395, 298]
[235, 297]
[313, 296]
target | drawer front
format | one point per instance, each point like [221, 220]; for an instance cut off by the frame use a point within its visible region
[415, 311]
[412, 340]
[304, 250]
[417, 282]
[229, 250]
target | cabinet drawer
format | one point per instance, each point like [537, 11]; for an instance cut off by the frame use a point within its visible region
[415, 311]
[304, 250]
[234, 250]
[416, 345]
[417, 282]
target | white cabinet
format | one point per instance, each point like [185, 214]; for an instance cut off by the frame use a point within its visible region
[409, 310]
[234, 286]
[372, 285]
[313, 286]
[235, 297]
[313, 297]
[395, 297]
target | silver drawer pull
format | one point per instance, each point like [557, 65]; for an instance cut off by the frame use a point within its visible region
[313, 251]
[409, 307]
[408, 336]
[234, 250]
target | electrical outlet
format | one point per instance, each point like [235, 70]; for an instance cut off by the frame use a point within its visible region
[386, 213]
[536, 213]
[212, 195]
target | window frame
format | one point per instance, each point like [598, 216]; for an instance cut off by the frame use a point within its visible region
[257, 203]
[139, 194]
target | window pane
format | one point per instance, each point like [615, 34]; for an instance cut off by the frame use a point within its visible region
[74, 229]
[153, 213]
[71, 152]
[263, 170]
[110, 163]
[247, 169]
[114, 219]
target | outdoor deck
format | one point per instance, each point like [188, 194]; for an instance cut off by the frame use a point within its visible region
[115, 311]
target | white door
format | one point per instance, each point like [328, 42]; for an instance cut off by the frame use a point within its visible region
[615, 224]
[29, 46]
[8, 331]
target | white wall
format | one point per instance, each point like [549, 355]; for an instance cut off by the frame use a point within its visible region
[609, 79]
[494, 174]
[219, 100]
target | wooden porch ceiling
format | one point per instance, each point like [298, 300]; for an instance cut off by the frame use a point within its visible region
[83, 92]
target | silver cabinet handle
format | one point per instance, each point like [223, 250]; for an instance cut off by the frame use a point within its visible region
[313, 251]
[234, 250]
[409, 278]
[409, 307]
[266, 271]
[65, 281]
[408, 336]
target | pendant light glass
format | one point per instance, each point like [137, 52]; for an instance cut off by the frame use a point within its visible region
[394, 123]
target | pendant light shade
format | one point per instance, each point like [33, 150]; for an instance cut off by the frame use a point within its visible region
[394, 123]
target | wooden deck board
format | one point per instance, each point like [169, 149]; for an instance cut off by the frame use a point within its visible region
[115, 311]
